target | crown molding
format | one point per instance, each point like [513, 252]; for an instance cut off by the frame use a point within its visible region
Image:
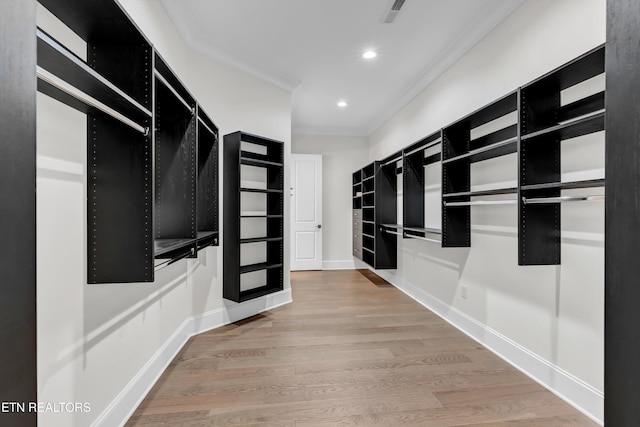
[190, 32]
[476, 30]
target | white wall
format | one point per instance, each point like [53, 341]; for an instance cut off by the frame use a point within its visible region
[103, 344]
[341, 156]
[547, 319]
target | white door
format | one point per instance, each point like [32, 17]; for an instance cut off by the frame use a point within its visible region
[306, 212]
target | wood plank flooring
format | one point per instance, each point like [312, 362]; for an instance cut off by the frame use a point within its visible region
[346, 352]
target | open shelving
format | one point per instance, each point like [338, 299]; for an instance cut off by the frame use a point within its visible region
[175, 166]
[254, 214]
[461, 146]
[114, 88]
[142, 185]
[207, 197]
[546, 121]
[379, 205]
[357, 213]
[414, 161]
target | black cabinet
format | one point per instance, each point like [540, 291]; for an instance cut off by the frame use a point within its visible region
[253, 229]
[545, 121]
[149, 158]
[379, 206]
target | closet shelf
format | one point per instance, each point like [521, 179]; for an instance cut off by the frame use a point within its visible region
[259, 215]
[165, 246]
[260, 190]
[261, 239]
[583, 125]
[257, 267]
[54, 58]
[423, 230]
[257, 292]
[590, 183]
[257, 162]
[501, 148]
[497, 191]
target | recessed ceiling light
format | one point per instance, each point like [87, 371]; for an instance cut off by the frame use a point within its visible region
[370, 54]
[342, 104]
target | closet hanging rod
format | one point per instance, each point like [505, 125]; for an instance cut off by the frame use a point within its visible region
[560, 199]
[482, 202]
[391, 232]
[58, 83]
[429, 145]
[175, 93]
[207, 127]
[410, 236]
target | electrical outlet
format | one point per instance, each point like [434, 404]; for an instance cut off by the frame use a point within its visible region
[463, 292]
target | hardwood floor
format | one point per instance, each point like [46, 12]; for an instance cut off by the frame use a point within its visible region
[347, 351]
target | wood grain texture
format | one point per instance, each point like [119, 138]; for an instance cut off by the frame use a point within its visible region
[347, 351]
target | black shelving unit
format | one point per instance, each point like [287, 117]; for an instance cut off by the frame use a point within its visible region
[357, 213]
[270, 193]
[114, 88]
[207, 198]
[414, 161]
[149, 156]
[175, 166]
[379, 206]
[459, 151]
[545, 122]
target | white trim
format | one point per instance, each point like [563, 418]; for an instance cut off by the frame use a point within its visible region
[346, 264]
[584, 397]
[124, 405]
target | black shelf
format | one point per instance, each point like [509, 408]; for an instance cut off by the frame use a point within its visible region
[423, 230]
[168, 248]
[258, 162]
[259, 266]
[59, 61]
[261, 239]
[236, 153]
[584, 125]
[493, 192]
[260, 190]
[590, 183]
[544, 124]
[500, 148]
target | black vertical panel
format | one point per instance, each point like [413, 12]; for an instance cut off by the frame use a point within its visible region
[18, 211]
[386, 211]
[231, 210]
[413, 190]
[622, 215]
[119, 203]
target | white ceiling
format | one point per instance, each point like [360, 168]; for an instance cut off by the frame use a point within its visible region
[314, 48]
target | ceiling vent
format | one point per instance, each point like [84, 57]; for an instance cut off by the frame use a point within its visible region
[390, 14]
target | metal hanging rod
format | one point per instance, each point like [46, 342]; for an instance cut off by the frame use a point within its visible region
[175, 93]
[560, 199]
[482, 202]
[57, 82]
[206, 127]
[391, 232]
[429, 145]
[422, 238]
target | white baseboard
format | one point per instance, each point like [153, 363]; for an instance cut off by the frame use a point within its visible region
[584, 397]
[123, 406]
[346, 264]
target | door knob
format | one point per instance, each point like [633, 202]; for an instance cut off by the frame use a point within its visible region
[319, 225]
